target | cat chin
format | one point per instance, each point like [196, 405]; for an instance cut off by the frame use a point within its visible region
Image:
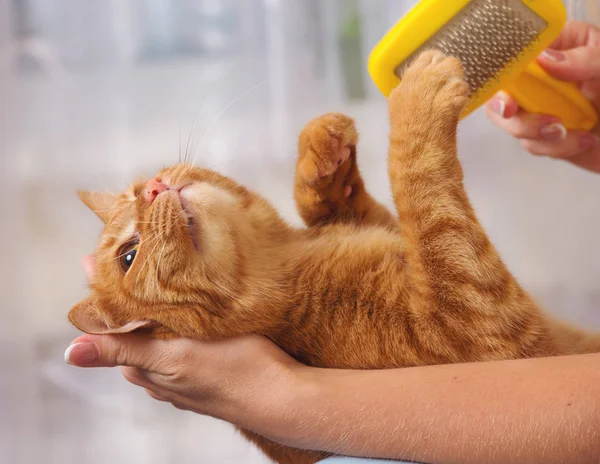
[205, 195]
[197, 197]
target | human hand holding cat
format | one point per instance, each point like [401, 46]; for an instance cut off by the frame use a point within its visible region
[224, 379]
[574, 57]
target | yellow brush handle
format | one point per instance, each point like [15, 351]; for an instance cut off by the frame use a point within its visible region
[538, 92]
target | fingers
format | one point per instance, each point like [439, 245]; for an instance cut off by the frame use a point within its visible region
[573, 57]
[589, 160]
[174, 401]
[158, 383]
[225, 379]
[155, 390]
[156, 396]
[572, 144]
[123, 350]
[524, 125]
[575, 65]
[576, 34]
[503, 106]
[540, 134]
[178, 402]
[158, 366]
[138, 377]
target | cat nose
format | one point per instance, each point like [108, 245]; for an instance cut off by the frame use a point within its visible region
[153, 188]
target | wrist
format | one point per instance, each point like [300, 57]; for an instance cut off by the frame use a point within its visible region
[289, 405]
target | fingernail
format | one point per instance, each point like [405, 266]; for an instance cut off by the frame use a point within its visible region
[553, 55]
[588, 141]
[81, 353]
[499, 106]
[554, 132]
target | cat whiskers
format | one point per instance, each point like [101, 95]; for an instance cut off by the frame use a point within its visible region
[163, 250]
[104, 186]
[210, 87]
[158, 264]
[216, 119]
[191, 135]
[156, 239]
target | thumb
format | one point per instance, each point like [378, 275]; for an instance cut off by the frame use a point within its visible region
[577, 64]
[116, 350]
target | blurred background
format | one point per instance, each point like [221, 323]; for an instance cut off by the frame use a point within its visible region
[93, 94]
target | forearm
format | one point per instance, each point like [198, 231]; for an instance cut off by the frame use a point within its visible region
[541, 410]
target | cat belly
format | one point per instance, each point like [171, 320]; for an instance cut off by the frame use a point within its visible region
[349, 306]
[352, 308]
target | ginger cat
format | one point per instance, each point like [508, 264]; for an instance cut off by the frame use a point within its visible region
[193, 254]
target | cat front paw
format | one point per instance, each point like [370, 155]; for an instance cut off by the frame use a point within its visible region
[327, 153]
[432, 89]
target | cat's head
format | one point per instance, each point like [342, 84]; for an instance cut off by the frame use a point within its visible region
[172, 254]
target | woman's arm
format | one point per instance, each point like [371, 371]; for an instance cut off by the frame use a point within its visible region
[538, 410]
[526, 411]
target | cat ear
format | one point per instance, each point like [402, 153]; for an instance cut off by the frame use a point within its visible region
[100, 203]
[84, 316]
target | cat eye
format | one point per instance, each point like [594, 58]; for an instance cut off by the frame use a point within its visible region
[127, 255]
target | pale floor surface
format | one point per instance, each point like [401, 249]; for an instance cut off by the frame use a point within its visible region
[542, 215]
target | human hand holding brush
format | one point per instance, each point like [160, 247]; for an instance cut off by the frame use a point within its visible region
[573, 57]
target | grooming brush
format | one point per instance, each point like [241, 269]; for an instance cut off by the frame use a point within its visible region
[497, 41]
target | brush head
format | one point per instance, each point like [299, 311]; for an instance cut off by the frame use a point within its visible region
[496, 41]
[486, 36]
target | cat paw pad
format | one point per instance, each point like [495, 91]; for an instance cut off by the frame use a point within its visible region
[326, 148]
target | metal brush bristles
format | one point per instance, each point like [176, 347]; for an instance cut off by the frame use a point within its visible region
[486, 36]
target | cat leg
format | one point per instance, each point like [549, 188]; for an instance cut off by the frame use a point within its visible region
[328, 185]
[459, 288]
